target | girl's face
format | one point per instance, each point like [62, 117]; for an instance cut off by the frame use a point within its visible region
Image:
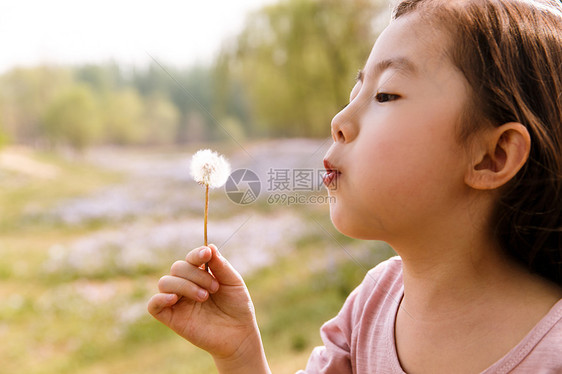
[400, 168]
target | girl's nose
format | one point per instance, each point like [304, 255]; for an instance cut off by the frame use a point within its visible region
[344, 126]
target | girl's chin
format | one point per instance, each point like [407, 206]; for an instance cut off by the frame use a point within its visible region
[350, 227]
[343, 224]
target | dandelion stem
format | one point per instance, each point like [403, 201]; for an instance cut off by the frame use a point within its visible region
[205, 219]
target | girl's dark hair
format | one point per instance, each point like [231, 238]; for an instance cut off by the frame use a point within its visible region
[510, 51]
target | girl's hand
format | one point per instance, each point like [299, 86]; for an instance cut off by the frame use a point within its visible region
[214, 312]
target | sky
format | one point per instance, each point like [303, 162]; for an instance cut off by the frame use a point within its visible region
[63, 32]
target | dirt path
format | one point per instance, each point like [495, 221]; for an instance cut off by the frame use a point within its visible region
[20, 160]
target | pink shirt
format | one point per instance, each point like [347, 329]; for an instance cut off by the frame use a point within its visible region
[360, 339]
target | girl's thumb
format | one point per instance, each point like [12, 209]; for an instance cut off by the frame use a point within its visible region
[222, 269]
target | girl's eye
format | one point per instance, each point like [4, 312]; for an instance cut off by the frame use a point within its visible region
[382, 97]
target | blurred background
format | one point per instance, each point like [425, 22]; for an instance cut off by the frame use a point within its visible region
[102, 105]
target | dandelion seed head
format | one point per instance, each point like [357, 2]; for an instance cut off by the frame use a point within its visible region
[209, 168]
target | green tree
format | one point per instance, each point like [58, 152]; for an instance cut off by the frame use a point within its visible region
[73, 118]
[123, 120]
[102, 78]
[161, 118]
[297, 60]
[192, 93]
[4, 138]
[25, 94]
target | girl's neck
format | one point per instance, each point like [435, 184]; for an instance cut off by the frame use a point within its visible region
[447, 283]
[472, 306]
[454, 266]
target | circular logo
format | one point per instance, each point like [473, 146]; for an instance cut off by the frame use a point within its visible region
[243, 186]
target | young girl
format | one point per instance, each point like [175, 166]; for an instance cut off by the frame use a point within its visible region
[450, 150]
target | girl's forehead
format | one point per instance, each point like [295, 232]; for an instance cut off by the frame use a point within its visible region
[411, 45]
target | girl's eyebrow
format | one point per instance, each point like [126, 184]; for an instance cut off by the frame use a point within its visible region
[359, 77]
[401, 64]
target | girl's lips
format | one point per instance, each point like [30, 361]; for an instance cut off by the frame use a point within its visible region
[331, 176]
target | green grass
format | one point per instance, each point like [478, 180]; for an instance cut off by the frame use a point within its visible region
[53, 323]
[21, 196]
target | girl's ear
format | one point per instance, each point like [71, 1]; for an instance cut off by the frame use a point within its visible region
[500, 154]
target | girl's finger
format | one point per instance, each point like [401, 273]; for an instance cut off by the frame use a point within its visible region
[182, 287]
[199, 256]
[195, 274]
[160, 301]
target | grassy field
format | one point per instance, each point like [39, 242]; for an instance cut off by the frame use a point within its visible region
[66, 308]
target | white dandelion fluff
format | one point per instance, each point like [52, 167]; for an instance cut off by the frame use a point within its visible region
[209, 168]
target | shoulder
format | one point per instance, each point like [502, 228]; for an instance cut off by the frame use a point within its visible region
[371, 303]
[548, 333]
[540, 351]
[384, 278]
[380, 290]
[389, 269]
[381, 284]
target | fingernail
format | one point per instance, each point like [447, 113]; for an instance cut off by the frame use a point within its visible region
[203, 252]
[214, 286]
[201, 294]
[170, 297]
